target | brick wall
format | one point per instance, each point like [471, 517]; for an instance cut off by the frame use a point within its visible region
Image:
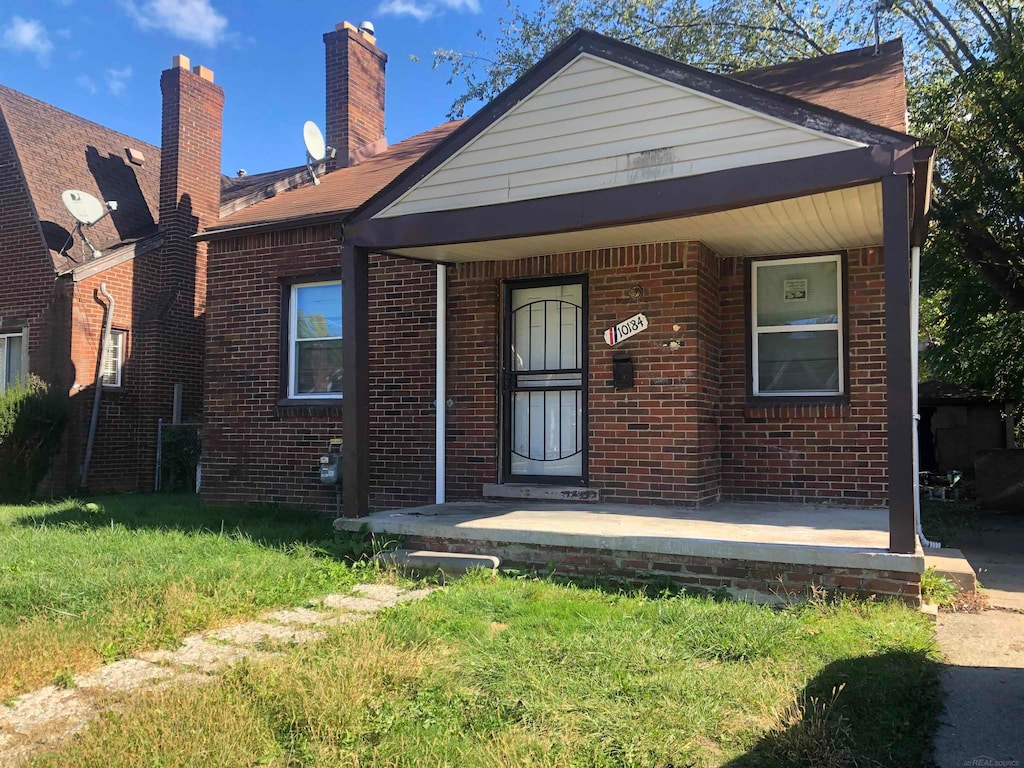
[761, 581]
[124, 446]
[685, 433]
[35, 299]
[809, 453]
[355, 92]
[653, 443]
[261, 449]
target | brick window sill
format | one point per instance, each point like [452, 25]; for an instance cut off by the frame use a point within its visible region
[309, 406]
[836, 408]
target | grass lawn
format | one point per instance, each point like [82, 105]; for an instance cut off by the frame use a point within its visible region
[82, 584]
[499, 671]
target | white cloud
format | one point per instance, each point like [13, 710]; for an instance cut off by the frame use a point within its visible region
[473, 6]
[27, 36]
[421, 10]
[87, 84]
[195, 20]
[117, 80]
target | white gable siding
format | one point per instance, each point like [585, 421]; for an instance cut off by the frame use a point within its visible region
[596, 124]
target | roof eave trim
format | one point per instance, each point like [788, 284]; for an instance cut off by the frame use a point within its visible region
[293, 222]
[118, 257]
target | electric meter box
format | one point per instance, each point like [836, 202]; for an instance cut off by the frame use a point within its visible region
[330, 469]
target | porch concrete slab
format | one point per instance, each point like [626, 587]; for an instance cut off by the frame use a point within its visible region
[779, 533]
[952, 564]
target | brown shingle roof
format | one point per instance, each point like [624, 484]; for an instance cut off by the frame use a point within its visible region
[855, 82]
[344, 189]
[61, 151]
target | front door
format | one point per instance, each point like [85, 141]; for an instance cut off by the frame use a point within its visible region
[544, 381]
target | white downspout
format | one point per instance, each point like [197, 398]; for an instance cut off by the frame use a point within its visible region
[915, 323]
[441, 394]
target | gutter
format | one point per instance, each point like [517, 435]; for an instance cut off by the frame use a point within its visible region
[331, 217]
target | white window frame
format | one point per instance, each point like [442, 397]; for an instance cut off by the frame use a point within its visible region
[118, 361]
[3, 351]
[756, 331]
[293, 341]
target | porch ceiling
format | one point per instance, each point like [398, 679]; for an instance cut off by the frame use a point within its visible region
[826, 221]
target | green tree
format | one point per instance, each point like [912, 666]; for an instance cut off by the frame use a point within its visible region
[723, 36]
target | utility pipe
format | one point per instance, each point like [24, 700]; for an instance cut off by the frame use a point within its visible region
[98, 387]
[441, 394]
[915, 328]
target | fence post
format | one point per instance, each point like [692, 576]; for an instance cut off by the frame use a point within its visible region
[159, 451]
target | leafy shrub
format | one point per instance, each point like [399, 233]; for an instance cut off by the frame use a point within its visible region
[32, 420]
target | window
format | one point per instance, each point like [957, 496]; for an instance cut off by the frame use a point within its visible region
[797, 326]
[113, 363]
[314, 340]
[11, 363]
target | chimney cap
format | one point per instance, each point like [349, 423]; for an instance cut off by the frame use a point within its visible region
[180, 62]
[367, 27]
[204, 72]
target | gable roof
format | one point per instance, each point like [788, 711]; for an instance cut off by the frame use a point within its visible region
[584, 43]
[342, 190]
[862, 95]
[58, 151]
[856, 82]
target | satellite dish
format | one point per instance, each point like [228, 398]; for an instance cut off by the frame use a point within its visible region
[87, 210]
[83, 206]
[316, 149]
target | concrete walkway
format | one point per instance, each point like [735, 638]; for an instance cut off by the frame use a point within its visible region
[983, 686]
[42, 719]
[995, 548]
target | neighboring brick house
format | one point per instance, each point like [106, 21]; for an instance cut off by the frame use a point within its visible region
[51, 311]
[701, 420]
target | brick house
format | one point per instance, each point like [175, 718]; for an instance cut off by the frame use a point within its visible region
[52, 311]
[660, 287]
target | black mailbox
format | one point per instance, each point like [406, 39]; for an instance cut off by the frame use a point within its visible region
[622, 372]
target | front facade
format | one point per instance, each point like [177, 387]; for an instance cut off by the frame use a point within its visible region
[626, 281]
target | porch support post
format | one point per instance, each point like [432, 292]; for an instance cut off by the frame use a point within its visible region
[899, 398]
[355, 356]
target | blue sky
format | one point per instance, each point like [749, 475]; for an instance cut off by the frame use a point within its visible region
[102, 59]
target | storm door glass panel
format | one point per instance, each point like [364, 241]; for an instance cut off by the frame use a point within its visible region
[546, 430]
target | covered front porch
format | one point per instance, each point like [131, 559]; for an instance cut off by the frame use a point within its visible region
[669, 223]
[761, 551]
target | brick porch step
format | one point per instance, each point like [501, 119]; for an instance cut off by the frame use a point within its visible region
[544, 492]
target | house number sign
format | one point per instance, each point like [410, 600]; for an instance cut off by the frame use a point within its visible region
[625, 329]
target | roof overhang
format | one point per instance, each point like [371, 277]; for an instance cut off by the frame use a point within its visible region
[806, 195]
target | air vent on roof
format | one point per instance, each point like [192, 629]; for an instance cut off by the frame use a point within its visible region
[242, 173]
[135, 156]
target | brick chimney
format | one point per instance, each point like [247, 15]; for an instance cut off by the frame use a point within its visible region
[355, 94]
[190, 146]
[190, 178]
